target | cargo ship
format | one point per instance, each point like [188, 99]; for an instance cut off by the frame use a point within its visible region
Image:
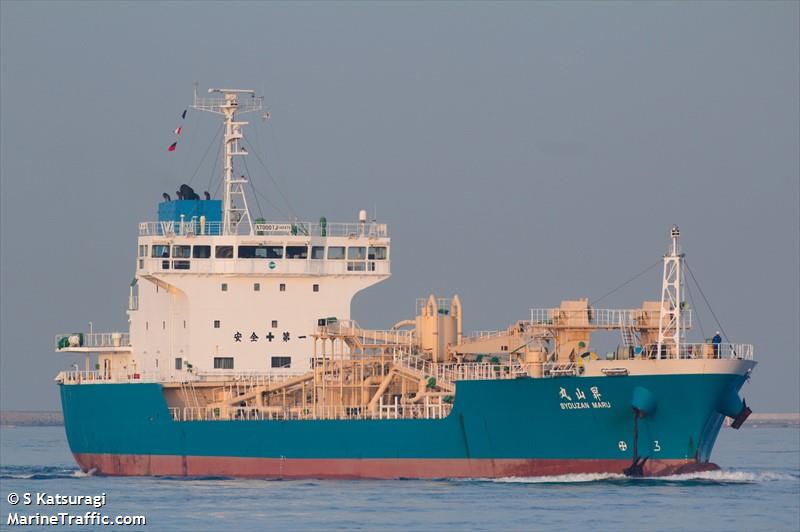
[242, 360]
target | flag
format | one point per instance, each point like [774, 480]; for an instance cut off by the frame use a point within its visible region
[183, 116]
[178, 130]
[172, 146]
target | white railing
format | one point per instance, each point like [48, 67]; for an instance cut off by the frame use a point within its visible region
[478, 371]
[93, 340]
[446, 374]
[611, 318]
[99, 377]
[443, 305]
[133, 302]
[249, 378]
[485, 335]
[367, 336]
[214, 105]
[698, 350]
[426, 410]
[416, 363]
[227, 377]
[77, 377]
[193, 226]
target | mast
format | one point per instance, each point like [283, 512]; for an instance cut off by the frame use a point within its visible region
[235, 214]
[669, 323]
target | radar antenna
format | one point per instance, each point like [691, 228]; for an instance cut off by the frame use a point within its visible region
[235, 214]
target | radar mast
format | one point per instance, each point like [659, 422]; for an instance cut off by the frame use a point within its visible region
[235, 214]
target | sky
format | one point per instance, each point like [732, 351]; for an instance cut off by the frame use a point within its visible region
[521, 153]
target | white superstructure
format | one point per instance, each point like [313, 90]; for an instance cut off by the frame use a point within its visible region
[233, 294]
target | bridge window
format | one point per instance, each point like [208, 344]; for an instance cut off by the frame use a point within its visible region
[256, 287]
[224, 252]
[216, 324]
[201, 252]
[282, 287]
[181, 264]
[282, 362]
[160, 250]
[252, 252]
[260, 252]
[143, 250]
[336, 253]
[224, 287]
[181, 252]
[356, 253]
[377, 253]
[317, 252]
[296, 252]
[315, 288]
[223, 362]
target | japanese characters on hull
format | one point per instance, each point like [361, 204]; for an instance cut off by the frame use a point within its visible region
[580, 402]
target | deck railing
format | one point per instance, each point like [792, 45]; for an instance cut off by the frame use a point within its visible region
[92, 340]
[367, 336]
[425, 410]
[99, 377]
[696, 350]
[600, 317]
[193, 227]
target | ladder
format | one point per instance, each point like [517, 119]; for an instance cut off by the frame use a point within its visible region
[627, 332]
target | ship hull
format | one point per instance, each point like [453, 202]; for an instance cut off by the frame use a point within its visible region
[497, 428]
[364, 468]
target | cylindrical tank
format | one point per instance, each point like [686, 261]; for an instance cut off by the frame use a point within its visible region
[448, 333]
[534, 362]
[427, 324]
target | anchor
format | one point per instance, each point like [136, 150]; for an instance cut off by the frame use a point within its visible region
[744, 413]
[636, 469]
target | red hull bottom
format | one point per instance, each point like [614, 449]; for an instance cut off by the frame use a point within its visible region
[367, 468]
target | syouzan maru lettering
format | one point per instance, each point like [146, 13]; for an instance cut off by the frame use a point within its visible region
[580, 402]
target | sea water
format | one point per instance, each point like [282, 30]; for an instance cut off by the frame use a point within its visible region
[757, 489]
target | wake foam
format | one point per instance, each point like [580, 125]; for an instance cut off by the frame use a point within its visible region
[731, 476]
[722, 477]
[39, 472]
[562, 479]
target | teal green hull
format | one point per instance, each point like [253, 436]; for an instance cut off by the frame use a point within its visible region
[522, 419]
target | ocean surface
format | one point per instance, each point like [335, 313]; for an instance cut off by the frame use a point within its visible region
[758, 489]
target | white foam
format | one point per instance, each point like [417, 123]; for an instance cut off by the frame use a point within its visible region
[715, 476]
[560, 479]
[730, 476]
